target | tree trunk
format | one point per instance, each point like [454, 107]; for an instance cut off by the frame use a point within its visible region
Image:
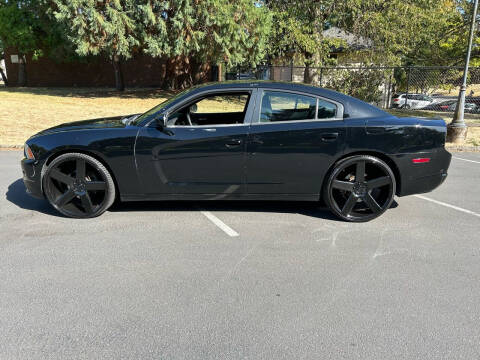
[220, 70]
[22, 76]
[309, 73]
[119, 83]
[178, 73]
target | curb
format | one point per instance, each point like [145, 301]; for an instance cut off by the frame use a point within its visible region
[458, 148]
[448, 147]
[10, 147]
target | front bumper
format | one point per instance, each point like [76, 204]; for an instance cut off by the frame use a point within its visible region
[32, 177]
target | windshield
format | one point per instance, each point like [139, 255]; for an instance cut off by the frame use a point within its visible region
[152, 113]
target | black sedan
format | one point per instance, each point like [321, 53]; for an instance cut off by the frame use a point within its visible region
[240, 141]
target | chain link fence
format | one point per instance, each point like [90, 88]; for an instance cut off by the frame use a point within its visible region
[431, 90]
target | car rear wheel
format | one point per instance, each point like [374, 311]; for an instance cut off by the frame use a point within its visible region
[78, 186]
[360, 188]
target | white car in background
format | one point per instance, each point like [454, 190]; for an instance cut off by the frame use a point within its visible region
[411, 101]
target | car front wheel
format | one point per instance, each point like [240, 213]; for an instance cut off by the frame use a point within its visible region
[360, 188]
[78, 186]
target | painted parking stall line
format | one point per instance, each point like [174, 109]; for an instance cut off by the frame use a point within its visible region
[224, 227]
[473, 161]
[448, 205]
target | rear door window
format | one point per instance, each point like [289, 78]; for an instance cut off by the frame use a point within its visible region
[282, 106]
[326, 109]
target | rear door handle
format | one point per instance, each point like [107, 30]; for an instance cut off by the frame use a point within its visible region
[375, 130]
[375, 127]
[233, 143]
[329, 136]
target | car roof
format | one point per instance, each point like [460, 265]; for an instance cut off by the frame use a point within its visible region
[352, 107]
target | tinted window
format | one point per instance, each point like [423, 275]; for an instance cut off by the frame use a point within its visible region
[326, 110]
[222, 104]
[281, 106]
[214, 109]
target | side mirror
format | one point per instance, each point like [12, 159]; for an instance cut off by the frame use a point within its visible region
[162, 121]
[193, 108]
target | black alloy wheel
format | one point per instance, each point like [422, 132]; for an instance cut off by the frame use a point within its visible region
[360, 188]
[78, 186]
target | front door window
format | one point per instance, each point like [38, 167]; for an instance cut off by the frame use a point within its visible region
[211, 110]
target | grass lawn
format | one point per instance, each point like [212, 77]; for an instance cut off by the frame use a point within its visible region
[26, 111]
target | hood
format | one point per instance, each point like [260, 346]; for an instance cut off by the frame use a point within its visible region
[101, 123]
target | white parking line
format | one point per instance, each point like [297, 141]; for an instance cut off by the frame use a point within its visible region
[476, 162]
[448, 205]
[227, 229]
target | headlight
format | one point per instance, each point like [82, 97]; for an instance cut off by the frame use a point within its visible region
[28, 152]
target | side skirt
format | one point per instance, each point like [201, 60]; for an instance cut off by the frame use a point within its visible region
[202, 197]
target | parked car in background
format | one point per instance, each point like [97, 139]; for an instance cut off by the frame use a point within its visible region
[451, 105]
[440, 106]
[411, 101]
[469, 107]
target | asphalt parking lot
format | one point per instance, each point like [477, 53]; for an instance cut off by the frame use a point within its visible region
[242, 280]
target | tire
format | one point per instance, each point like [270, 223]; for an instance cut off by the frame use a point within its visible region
[78, 186]
[405, 107]
[355, 197]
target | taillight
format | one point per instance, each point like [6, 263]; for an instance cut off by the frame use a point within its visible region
[420, 160]
[396, 100]
[28, 153]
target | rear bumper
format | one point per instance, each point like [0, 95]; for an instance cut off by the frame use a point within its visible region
[422, 177]
[32, 177]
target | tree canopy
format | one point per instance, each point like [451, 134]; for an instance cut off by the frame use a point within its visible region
[190, 33]
[185, 30]
[406, 31]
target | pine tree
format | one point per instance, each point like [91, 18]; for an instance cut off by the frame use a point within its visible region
[195, 32]
[101, 28]
[187, 33]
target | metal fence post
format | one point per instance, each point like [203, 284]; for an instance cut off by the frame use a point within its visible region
[291, 71]
[321, 76]
[389, 93]
[457, 130]
[408, 84]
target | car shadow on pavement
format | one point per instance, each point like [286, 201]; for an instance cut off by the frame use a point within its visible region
[17, 195]
[311, 209]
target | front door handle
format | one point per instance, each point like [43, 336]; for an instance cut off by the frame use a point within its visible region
[329, 136]
[233, 143]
